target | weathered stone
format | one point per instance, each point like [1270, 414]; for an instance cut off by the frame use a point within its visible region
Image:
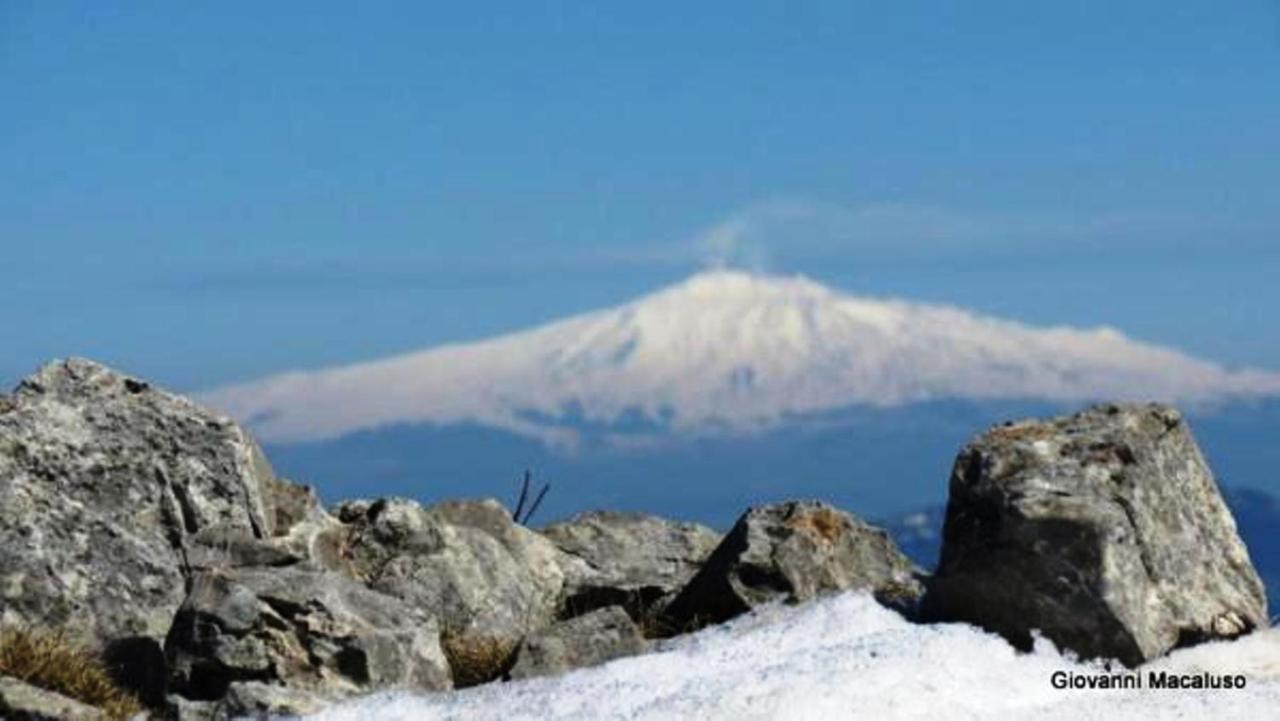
[105, 482]
[312, 631]
[20, 701]
[588, 640]
[304, 533]
[257, 700]
[247, 700]
[793, 552]
[463, 562]
[179, 708]
[632, 560]
[1105, 530]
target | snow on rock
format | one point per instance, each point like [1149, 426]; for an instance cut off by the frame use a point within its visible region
[727, 350]
[846, 657]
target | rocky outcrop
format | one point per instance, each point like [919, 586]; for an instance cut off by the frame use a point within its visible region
[215, 590]
[793, 552]
[588, 640]
[1104, 530]
[301, 629]
[632, 560]
[21, 701]
[465, 563]
[106, 485]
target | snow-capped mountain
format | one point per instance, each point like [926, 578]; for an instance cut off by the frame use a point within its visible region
[728, 351]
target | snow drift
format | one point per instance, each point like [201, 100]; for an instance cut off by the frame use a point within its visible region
[727, 351]
[847, 657]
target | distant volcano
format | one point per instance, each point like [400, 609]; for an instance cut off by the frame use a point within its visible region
[727, 352]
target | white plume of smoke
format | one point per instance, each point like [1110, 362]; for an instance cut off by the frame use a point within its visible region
[747, 240]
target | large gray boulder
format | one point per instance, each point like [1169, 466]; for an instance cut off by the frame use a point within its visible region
[465, 563]
[632, 560]
[106, 483]
[793, 552]
[588, 640]
[308, 631]
[1104, 530]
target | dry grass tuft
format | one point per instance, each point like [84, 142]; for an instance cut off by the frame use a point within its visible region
[475, 659]
[49, 660]
[655, 623]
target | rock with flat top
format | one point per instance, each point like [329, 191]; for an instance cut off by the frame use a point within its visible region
[1103, 530]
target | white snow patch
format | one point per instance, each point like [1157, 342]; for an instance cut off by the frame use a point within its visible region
[843, 657]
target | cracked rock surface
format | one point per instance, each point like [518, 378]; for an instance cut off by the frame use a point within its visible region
[633, 560]
[466, 563]
[1105, 530]
[302, 629]
[105, 484]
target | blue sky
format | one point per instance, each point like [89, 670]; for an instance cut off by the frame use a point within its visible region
[202, 195]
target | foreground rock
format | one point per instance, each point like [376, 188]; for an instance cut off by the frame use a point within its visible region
[23, 702]
[106, 485]
[248, 700]
[588, 640]
[299, 631]
[465, 563]
[1104, 530]
[632, 560]
[793, 552]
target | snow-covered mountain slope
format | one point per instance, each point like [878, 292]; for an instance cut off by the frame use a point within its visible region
[845, 657]
[727, 351]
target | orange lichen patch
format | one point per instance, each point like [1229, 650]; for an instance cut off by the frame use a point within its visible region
[822, 523]
[1023, 431]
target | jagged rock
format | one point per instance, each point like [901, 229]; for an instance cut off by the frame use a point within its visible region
[793, 552]
[313, 631]
[20, 701]
[304, 533]
[632, 560]
[463, 562]
[1105, 530]
[105, 484]
[587, 640]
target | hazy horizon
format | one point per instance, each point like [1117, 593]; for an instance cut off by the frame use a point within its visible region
[208, 195]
